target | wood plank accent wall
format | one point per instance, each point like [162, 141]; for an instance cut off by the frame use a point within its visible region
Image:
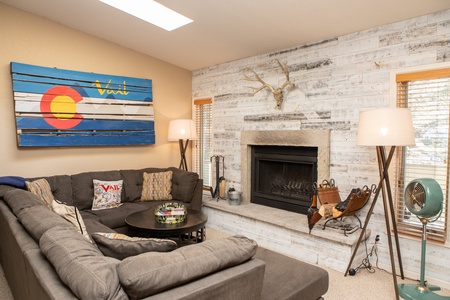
[56, 107]
[335, 79]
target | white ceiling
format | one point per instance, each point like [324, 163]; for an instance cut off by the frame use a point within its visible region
[226, 30]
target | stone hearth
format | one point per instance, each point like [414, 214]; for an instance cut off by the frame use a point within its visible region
[284, 232]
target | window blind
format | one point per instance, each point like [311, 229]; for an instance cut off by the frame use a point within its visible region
[427, 95]
[203, 145]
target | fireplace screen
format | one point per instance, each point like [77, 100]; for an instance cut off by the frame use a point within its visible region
[282, 176]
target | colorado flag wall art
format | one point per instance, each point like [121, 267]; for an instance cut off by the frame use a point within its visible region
[55, 107]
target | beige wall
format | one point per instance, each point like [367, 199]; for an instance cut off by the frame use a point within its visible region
[30, 39]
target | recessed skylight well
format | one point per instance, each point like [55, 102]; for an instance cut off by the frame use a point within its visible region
[152, 12]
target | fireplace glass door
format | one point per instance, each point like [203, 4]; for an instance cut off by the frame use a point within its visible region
[282, 176]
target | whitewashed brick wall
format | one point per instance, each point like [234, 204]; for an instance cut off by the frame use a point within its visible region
[335, 79]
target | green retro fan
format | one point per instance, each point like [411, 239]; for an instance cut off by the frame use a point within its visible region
[423, 197]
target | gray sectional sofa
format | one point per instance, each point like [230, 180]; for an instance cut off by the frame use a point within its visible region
[44, 257]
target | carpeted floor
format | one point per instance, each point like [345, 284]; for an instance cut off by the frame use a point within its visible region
[363, 286]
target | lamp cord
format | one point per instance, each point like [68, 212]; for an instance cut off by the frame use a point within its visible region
[365, 264]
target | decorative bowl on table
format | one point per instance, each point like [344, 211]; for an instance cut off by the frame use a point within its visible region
[171, 213]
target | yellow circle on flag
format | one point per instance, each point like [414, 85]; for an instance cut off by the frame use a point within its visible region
[63, 107]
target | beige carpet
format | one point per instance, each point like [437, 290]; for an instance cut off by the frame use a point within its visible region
[362, 286]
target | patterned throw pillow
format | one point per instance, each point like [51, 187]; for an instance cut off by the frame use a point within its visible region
[107, 194]
[41, 188]
[157, 186]
[121, 246]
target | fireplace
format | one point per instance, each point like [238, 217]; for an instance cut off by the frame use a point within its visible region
[314, 142]
[282, 176]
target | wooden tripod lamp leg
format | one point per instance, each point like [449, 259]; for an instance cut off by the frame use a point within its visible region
[183, 147]
[383, 185]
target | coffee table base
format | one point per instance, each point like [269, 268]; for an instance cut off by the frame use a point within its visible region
[196, 236]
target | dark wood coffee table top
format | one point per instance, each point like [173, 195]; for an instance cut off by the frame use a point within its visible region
[145, 222]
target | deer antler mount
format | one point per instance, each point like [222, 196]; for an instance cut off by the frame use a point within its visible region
[277, 92]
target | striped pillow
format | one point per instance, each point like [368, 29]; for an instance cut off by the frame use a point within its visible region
[41, 188]
[157, 186]
[121, 246]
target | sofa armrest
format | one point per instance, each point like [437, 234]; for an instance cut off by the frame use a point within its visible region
[243, 281]
[197, 198]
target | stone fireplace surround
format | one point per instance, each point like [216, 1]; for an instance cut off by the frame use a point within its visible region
[279, 230]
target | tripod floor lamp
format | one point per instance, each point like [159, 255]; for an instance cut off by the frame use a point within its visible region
[182, 130]
[385, 127]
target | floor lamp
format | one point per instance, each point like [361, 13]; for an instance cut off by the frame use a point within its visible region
[385, 127]
[182, 130]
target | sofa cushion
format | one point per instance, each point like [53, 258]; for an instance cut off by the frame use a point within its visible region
[61, 186]
[157, 186]
[121, 246]
[115, 217]
[81, 266]
[93, 226]
[171, 269]
[38, 219]
[41, 188]
[83, 186]
[288, 278]
[72, 215]
[183, 184]
[107, 194]
[18, 200]
[132, 182]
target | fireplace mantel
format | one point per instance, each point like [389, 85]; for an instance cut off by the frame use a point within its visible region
[305, 138]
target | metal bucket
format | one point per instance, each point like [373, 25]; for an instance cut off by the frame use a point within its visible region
[234, 198]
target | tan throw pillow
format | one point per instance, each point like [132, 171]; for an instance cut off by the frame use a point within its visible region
[107, 194]
[71, 214]
[157, 186]
[41, 188]
[121, 246]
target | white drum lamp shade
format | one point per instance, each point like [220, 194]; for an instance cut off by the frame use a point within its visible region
[385, 127]
[182, 129]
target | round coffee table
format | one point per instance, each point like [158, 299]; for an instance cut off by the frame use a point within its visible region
[143, 223]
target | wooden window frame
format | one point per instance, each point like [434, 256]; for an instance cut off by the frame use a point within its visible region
[203, 145]
[406, 227]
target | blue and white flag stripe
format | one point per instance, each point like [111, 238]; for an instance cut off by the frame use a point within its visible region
[56, 107]
[94, 139]
[105, 125]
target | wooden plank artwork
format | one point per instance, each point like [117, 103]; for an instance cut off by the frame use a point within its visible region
[55, 107]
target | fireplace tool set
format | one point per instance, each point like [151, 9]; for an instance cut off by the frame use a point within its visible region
[219, 191]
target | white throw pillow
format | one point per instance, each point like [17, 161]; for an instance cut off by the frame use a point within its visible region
[107, 194]
[71, 214]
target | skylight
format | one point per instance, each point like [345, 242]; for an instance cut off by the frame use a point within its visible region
[152, 12]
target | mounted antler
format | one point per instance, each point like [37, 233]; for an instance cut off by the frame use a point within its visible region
[278, 92]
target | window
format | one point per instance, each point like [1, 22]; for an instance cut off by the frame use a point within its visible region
[203, 145]
[427, 95]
